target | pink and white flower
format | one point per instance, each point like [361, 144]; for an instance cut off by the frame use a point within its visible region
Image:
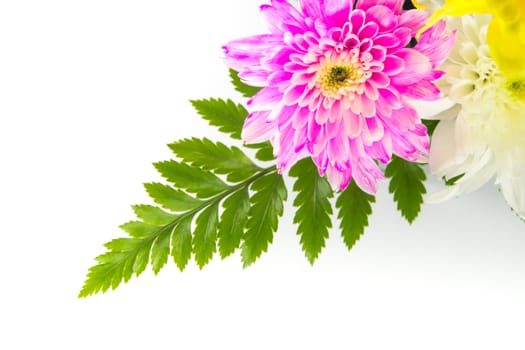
[337, 80]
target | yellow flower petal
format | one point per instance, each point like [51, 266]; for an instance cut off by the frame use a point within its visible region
[506, 35]
[506, 38]
[458, 8]
[418, 5]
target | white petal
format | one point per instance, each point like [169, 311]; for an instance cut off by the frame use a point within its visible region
[479, 174]
[447, 114]
[444, 195]
[443, 149]
[513, 189]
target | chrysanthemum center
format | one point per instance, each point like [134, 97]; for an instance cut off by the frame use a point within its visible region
[339, 74]
[336, 79]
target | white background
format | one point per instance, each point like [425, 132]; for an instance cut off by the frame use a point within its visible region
[90, 94]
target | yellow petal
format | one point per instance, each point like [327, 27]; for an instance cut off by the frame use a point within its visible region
[457, 8]
[506, 35]
[506, 38]
[418, 5]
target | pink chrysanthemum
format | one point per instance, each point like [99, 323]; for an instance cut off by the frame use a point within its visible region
[336, 81]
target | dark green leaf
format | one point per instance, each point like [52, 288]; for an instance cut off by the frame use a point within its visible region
[452, 181]
[313, 215]
[181, 242]
[264, 150]
[431, 125]
[407, 185]
[354, 208]
[266, 207]
[169, 198]
[226, 115]
[195, 180]
[215, 156]
[233, 221]
[205, 235]
[245, 90]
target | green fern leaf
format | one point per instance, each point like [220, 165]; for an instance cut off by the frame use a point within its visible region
[138, 229]
[313, 215]
[407, 184]
[233, 221]
[215, 156]
[181, 242]
[245, 90]
[169, 198]
[152, 215]
[162, 234]
[126, 256]
[354, 208]
[226, 115]
[192, 179]
[264, 151]
[205, 235]
[266, 207]
[160, 249]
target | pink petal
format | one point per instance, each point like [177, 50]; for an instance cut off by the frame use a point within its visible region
[369, 30]
[422, 90]
[312, 8]
[257, 128]
[265, 99]
[352, 124]
[417, 66]
[293, 94]
[413, 19]
[393, 65]
[332, 129]
[380, 80]
[322, 114]
[338, 150]
[337, 11]
[435, 46]
[383, 16]
[357, 18]
[371, 91]
[394, 5]
[301, 117]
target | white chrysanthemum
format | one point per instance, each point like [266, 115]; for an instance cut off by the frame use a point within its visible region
[483, 135]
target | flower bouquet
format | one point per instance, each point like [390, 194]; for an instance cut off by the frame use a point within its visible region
[332, 88]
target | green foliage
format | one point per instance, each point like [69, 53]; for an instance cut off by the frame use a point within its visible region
[407, 185]
[233, 221]
[313, 215]
[452, 181]
[152, 215]
[245, 90]
[264, 151]
[197, 191]
[192, 179]
[205, 235]
[431, 125]
[354, 208]
[216, 157]
[227, 116]
[157, 233]
[170, 198]
[266, 207]
[181, 242]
